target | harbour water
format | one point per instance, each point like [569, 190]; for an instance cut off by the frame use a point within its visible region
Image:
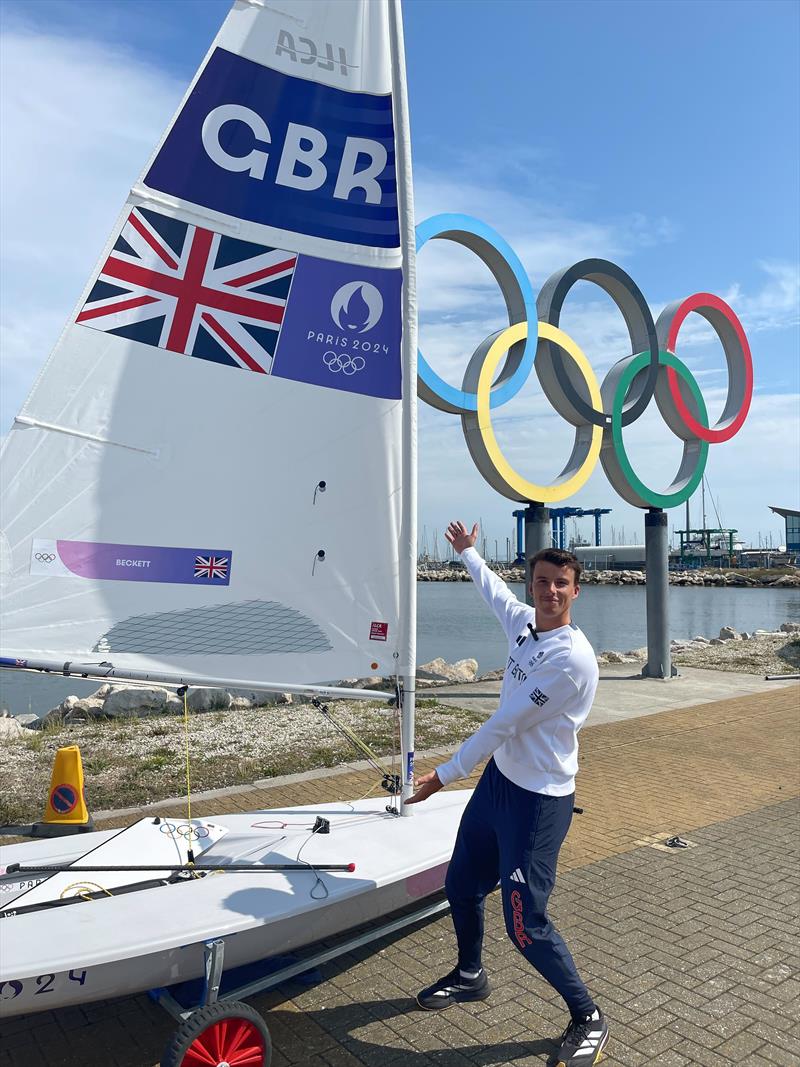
[453, 622]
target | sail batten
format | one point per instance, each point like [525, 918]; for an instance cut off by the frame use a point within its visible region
[209, 476]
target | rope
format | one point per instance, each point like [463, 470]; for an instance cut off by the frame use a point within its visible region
[354, 740]
[84, 892]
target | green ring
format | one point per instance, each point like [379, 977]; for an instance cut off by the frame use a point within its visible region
[679, 496]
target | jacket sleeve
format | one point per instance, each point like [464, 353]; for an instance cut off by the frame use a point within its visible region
[545, 694]
[511, 613]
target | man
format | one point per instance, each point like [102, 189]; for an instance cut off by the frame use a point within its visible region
[518, 816]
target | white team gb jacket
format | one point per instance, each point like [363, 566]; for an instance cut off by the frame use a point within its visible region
[548, 688]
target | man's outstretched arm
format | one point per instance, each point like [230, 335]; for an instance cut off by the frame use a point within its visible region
[510, 613]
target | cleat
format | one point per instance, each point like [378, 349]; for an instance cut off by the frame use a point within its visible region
[453, 989]
[583, 1043]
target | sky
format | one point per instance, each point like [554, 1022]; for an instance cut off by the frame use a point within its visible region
[662, 136]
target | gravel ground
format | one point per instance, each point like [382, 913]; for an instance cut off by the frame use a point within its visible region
[132, 761]
[779, 654]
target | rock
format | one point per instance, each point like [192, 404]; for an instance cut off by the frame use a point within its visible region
[786, 580]
[240, 704]
[263, 700]
[727, 633]
[58, 713]
[85, 710]
[492, 676]
[790, 627]
[613, 657]
[209, 699]
[10, 728]
[28, 719]
[438, 670]
[374, 681]
[638, 653]
[134, 701]
[716, 641]
[105, 689]
[700, 640]
[790, 653]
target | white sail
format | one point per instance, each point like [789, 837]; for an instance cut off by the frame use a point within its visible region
[208, 475]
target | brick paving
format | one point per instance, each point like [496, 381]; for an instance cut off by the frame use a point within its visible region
[692, 953]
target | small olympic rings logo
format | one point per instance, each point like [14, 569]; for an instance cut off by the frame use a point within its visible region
[194, 833]
[598, 411]
[347, 364]
[44, 557]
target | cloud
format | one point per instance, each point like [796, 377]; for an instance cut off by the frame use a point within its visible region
[79, 121]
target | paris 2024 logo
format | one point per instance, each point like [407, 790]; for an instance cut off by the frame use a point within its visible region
[355, 309]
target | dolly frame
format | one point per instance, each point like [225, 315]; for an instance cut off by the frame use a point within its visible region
[215, 964]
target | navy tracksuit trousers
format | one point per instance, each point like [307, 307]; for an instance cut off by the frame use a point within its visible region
[510, 834]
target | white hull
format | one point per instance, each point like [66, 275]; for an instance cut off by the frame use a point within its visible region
[155, 937]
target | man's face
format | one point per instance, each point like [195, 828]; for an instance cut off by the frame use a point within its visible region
[553, 589]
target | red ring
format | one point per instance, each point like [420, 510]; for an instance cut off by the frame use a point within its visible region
[696, 303]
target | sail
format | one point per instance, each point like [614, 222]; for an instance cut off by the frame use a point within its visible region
[208, 475]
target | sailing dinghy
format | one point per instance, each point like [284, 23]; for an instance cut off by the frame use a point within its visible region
[212, 482]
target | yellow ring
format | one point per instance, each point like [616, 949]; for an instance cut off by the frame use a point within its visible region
[559, 490]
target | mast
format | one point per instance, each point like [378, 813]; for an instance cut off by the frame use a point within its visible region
[408, 528]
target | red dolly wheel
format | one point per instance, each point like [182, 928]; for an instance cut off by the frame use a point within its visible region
[225, 1034]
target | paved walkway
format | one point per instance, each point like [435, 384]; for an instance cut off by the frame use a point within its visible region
[692, 953]
[624, 694]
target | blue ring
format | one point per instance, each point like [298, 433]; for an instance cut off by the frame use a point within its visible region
[457, 398]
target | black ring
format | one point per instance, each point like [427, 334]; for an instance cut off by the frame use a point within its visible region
[556, 378]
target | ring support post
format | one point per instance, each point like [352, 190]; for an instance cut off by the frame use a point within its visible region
[537, 537]
[656, 554]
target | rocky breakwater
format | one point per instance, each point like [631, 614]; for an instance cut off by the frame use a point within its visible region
[712, 578]
[773, 579]
[457, 572]
[135, 701]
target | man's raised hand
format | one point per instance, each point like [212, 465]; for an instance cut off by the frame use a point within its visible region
[456, 534]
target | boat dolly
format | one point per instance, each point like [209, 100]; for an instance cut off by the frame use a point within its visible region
[223, 1031]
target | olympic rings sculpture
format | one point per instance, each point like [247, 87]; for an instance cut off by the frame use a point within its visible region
[598, 411]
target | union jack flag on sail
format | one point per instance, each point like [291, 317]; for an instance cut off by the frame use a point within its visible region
[172, 285]
[211, 567]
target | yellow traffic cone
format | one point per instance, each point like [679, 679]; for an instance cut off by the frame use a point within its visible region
[66, 810]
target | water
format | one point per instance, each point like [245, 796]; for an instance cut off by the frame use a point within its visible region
[454, 623]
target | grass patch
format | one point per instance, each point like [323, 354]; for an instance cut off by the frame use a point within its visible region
[134, 762]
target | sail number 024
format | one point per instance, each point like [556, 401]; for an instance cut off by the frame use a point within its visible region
[44, 983]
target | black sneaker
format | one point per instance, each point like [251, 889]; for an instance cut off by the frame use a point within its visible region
[582, 1043]
[453, 989]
